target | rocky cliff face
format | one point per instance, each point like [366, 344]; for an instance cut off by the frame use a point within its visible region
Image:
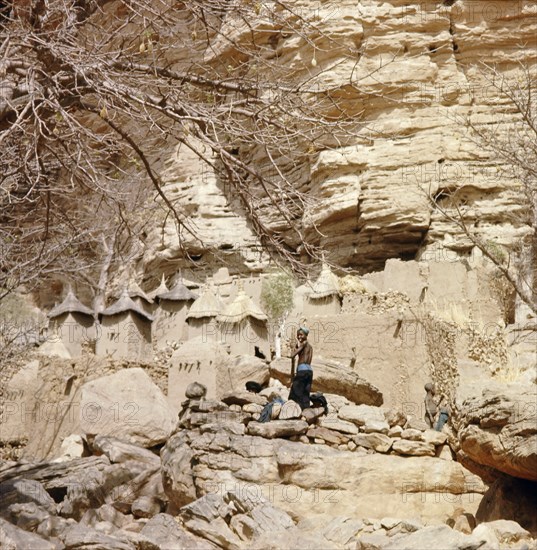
[418, 82]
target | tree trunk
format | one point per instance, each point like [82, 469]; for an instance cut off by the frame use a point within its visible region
[278, 345]
[100, 292]
[278, 337]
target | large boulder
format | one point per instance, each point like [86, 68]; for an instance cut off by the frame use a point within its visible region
[120, 451]
[242, 397]
[501, 533]
[12, 537]
[166, 532]
[379, 442]
[370, 419]
[499, 429]
[413, 448]
[332, 377]
[177, 477]
[20, 491]
[233, 373]
[278, 428]
[331, 422]
[127, 405]
[80, 536]
[327, 435]
[236, 520]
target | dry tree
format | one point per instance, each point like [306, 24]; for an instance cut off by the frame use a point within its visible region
[93, 91]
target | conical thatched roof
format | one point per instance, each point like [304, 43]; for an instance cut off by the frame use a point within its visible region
[161, 289]
[326, 285]
[70, 304]
[134, 291]
[241, 307]
[209, 304]
[190, 284]
[125, 303]
[179, 293]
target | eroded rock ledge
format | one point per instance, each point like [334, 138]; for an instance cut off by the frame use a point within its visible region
[499, 429]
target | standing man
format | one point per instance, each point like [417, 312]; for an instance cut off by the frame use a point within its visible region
[301, 383]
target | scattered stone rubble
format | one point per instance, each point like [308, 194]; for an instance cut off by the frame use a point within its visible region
[224, 480]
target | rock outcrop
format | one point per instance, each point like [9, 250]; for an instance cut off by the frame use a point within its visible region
[332, 377]
[293, 484]
[333, 463]
[499, 429]
[48, 412]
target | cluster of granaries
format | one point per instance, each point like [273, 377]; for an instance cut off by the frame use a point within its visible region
[135, 322]
[130, 327]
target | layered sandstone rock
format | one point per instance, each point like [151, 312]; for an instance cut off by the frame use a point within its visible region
[412, 88]
[499, 429]
[217, 485]
[335, 480]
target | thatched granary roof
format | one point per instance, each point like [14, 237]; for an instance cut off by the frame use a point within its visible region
[134, 291]
[179, 293]
[241, 307]
[326, 285]
[70, 304]
[209, 304]
[190, 284]
[161, 289]
[125, 303]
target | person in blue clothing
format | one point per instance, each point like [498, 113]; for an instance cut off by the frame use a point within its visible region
[301, 384]
[444, 414]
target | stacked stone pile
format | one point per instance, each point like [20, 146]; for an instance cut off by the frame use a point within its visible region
[362, 429]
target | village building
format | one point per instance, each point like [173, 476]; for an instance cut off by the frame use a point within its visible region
[197, 360]
[325, 297]
[170, 316]
[161, 289]
[201, 317]
[125, 330]
[139, 297]
[243, 327]
[71, 324]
